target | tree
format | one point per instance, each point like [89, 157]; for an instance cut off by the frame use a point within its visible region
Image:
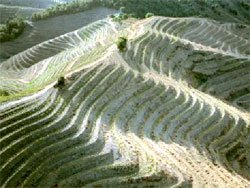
[61, 81]
[121, 43]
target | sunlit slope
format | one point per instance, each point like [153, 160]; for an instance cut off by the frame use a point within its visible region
[44, 63]
[136, 118]
[209, 56]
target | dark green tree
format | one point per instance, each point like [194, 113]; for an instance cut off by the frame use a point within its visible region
[121, 43]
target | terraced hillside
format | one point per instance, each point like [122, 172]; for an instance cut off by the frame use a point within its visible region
[172, 110]
[200, 52]
[40, 31]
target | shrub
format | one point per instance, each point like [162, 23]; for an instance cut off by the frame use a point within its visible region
[117, 19]
[234, 12]
[149, 14]
[124, 16]
[3, 93]
[121, 43]
[60, 82]
[200, 78]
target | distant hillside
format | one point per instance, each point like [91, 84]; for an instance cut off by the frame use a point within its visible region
[9, 11]
[170, 110]
[224, 11]
[33, 3]
[221, 10]
[37, 32]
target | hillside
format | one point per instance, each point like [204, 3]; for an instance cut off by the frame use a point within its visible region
[39, 31]
[32, 3]
[172, 110]
[10, 11]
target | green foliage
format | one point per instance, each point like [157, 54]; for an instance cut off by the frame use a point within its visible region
[11, 29]
[240, 26]
[69, 8]
[122, 16]
[61, 81]
[117, 19]
[3, 93]
[200, 78]
[149, 14]
[121, 43]
[234, 12]
[214, 9]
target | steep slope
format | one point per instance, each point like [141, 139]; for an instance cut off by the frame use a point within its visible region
[10, 11]
[45, 62]
[40, 31]
[200, 52]
[137, 118]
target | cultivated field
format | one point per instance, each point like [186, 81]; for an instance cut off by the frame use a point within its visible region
[172, 110]
[40, 31]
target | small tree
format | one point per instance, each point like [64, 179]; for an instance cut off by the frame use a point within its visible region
[60, 82]
[149, 14]
[121, 43]
[124, 16]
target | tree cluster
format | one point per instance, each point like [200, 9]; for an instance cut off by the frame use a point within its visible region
[12, 29]
[68, 8]
[145, 8]
[171, 8]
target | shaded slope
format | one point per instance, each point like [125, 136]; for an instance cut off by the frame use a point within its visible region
[10, 11]
[41, 31]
